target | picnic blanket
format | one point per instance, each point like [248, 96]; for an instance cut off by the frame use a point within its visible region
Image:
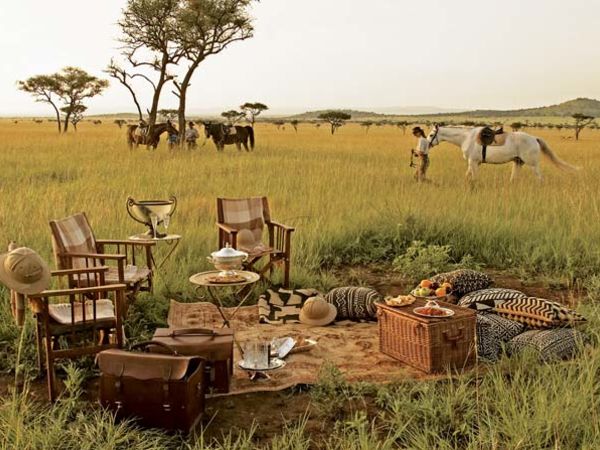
[352, 347]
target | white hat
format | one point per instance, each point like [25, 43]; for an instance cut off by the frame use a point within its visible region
[317, 312]
[23, 271]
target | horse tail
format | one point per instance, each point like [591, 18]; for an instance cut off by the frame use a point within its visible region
[251, 136]
[555, 159]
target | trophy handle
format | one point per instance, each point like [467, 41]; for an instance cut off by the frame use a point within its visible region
[130, 203]
[174, 200]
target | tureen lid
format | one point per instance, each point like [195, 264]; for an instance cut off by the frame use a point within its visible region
[227, 252]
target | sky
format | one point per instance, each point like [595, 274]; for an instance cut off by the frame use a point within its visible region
[317, 54]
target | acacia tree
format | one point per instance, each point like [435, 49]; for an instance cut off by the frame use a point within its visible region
[516, 126]
[233, 116]
[204, 28]
[45, 89]
[402, 124]
[581, 121]
[76, 85]
[294, 123]
[148, 32]
[167, 114]
[279, 124]
[335, 119]
[120, 122]
[367, 124]
[75, 114]
[252, 110]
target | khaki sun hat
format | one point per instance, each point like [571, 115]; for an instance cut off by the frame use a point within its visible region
[23, 271]
[317, 312]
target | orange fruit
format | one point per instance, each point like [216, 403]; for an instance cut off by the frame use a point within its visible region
[440, 292]
[425, 284]
[447, 285]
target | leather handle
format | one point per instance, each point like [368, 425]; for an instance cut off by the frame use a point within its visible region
[454, 338]
[192, 332]
[145, 344]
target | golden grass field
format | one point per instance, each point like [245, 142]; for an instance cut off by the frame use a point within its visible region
[332, 188]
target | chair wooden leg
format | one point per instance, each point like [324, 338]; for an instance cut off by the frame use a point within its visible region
[50, 374]
[39, 346]
[286, 273]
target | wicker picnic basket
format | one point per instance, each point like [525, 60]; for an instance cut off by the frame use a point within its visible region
[428, 344]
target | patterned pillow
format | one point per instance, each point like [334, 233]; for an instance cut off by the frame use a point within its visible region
[538, 312]
[278, 305]
[485, 299]
[492, 332]
[548, 345]
[354, 303]
[464, 281]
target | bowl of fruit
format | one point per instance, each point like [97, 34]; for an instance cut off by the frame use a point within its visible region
[431, 290]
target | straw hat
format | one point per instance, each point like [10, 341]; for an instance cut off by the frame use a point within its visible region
[317, 312]
[23, 271]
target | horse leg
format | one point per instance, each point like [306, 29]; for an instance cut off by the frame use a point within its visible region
[515, 170]
[238, 145]
[245, 144]
[538, 172]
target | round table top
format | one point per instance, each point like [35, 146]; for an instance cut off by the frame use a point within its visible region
[203, 278]
[147, 237]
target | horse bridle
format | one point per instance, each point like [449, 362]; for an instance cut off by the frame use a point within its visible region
[434, 138]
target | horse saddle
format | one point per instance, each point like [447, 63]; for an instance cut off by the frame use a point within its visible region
[229, 130]
[487, 137]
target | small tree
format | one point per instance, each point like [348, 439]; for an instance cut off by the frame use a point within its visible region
[252, 110]
[516, 126]
[294, 123]
[120, 122]
[402, 125]
[168, 114]
[367, 124]
[581, 121]
[45, 89]
[75, 114]
[279, 124]
[335, 119]
[233, 116]
[76, 86]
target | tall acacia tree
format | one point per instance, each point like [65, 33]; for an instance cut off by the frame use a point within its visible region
[45, 89]
[252, 110]
[335, 119]
[148, 33]
[204, 28]
[581, 121]
[76, 85]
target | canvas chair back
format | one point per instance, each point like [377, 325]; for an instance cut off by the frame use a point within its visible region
[72, 234]
[244, 214]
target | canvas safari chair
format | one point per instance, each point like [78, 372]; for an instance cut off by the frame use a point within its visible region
[241, 223]
[76, 322]
[75, 247]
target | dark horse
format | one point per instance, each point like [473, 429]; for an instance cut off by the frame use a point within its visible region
[152, 139]
[223, 135]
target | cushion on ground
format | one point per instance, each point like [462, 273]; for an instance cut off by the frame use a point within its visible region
[538, 312]
[548, 345]
[485, 299]
[464, 281]
[279, 305]
[493, 331]
[354, 303]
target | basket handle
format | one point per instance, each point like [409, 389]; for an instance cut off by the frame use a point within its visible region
[454, 338]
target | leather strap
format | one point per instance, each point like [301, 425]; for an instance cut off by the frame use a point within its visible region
[193, 332]
[145, 344]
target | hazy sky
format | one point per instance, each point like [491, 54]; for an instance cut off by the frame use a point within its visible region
[335, 53]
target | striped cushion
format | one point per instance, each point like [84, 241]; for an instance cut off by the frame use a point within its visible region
[245, 214]
[492, 332]
[485, 299]
[538, 312]
[283, 305]
[73, 234]
[548, 345]
[354, 303]
[464, 281]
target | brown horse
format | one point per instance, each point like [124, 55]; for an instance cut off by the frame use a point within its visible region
[223, 135]
[151, 139]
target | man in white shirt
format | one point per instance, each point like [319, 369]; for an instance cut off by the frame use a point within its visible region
[191, 134]
[422, 152]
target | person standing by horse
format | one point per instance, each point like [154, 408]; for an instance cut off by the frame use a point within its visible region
[421, 151]
[191, 135]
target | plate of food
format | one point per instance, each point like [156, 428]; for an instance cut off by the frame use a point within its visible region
[400, 300]
[303, 345]
[432, 290]
[433, 310]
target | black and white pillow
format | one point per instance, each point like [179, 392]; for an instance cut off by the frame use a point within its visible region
[354, 303]
[549, 345]
[464, 281]
[485, 299]
[493, 332]
[279, 306]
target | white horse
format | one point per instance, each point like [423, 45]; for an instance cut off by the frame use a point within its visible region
[518, 148]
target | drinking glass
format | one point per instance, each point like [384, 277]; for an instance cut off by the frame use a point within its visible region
[166, 220]
[154, 220]
[251, 355]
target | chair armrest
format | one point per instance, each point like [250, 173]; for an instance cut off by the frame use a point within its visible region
[84, 290]
[148, 243]
[226, 228]
[280, 225]
[95, 255]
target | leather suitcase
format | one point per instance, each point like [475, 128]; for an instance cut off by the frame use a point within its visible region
[215, 346]
[160, 390]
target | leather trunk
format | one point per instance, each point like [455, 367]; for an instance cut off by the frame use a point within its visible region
[159, 390]
[215, 346]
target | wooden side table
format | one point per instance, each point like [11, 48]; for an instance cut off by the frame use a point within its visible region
[170, 239]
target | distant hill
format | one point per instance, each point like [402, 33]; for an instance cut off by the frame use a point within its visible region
[586, 106]
[312, 115]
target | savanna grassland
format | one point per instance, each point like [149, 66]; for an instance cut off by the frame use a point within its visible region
[353, 200]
